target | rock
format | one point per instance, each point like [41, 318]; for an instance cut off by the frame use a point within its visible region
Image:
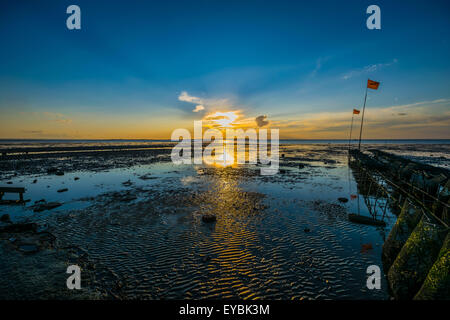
[301, 166]
[306, 230]
[76, 178]
[128, 197]
[35, 180]
[146, 177]
[59, 173]
[52, 170]
[415, 259]
[437, 283]
[28, 248]
[63, 190]
[5, 218]
[343, 200]
[127, 183]
[46, 206]
[406, 222]
[9, 182]
[208, 218]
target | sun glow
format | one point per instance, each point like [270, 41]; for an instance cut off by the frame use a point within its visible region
[220, 159]
[222, 119]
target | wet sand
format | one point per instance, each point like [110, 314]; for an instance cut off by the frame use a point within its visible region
[133, 222]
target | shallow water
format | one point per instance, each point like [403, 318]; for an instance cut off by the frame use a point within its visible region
[156, 246]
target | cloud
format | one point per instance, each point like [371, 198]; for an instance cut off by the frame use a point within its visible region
[261, 121]
[424, 119]
[202, 103]
[184, 96]
[368, 69]
[223, 119]
[198, 108]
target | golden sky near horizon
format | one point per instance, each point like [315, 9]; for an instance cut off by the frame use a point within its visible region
[422, 120]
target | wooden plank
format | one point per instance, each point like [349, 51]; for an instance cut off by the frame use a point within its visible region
[365, 220]
[12, 190]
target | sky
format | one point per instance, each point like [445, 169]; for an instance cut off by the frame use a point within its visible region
[141, 69]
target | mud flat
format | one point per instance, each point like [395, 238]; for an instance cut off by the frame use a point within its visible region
[133, 221]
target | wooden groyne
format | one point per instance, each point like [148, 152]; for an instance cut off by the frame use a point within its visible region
[416, 253]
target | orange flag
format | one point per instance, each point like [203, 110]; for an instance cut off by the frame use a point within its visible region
[355, 111]
[372, 84]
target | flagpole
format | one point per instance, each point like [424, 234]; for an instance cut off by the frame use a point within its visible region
[351, 128]
[362, 120]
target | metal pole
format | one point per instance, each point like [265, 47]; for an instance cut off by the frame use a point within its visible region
[362, 120]
[351, 128]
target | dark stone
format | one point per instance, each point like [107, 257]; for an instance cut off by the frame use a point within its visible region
[59, 173]
[63, 190]
[35, 180]
[343, 200]
[208, 218]
[76, 178]
[306, 230]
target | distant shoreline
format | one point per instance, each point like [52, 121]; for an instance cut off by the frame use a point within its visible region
[286, 141]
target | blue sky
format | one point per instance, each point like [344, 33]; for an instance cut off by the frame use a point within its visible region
[303, 64]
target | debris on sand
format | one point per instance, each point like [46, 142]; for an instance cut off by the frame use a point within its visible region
[208, 218]
[366, 247]
[19, 227]
[54, 170]
[5, 218]
[63, 190]
[43, 205]
[206, 259]
[343, 200]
